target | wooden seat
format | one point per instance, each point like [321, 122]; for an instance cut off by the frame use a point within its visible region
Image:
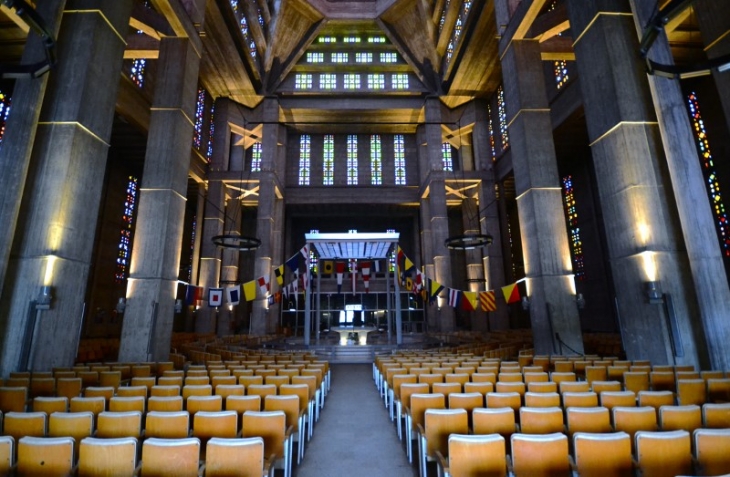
[434, 433]
[602, 455]
[271, 427]
[691, 391]
[12, 399]
[655, 399]
[50, 404]
[95, 404]
[302, 392]
[107, 457]
[132, 391]
[20, 424]
[69, 387]
[563, 366]
[446, 389]
[165, 390]
[611, 399]
[398, 381]
[633, 419]
[511, 400]
[170, 381]
[132, 403]
[659, 454]
[574, 387]
[94, 391]
[415, 416]
[248, 380]
[289, 404]
[42, 387]
[466, 401]
[430, 379]
[600, 386]
[240, 457]
[473, 455]
[533, 399]
[552, 450]
[588, 419]
[540, 387]
[141, 371]
[596, 373]
[119, 424]
[88, 378]
[262, 390]
[484, 378]
[241, 404]
[716, 416]
[718, 390]
[536, 377]
[215, 424]
[47, 456]
[197, 381]
[164, 457]
[71, 424]
[579, 399]
[196, 390]
[165, 403]
[223, 380]
[407, 390]
[711, 451]
[494, 421]
[561, 377]
[111, 379]
[663, 381]
[167, 425]
[636, 381]
[511, 387]
[7, 454]
[541, 420]
[672, 418]
[195, 404]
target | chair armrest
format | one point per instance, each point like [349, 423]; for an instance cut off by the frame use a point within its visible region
[421, 430]
[442, 462]
[138, 469]
[510, 470]
[201, 470]
[268, 465]
[288, 432]
[573, 466]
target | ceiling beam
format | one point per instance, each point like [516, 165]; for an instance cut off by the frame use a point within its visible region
[12, 15]
[557, 48]
[141, 46]
[175, 13]
[149, 22]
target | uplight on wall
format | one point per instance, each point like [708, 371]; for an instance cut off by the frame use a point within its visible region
[654, 292]
[649, 265]
[43, 302]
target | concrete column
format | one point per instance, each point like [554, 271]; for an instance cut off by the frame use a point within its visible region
[695, 214]
[54, 236]
[492, 262]
[147, 327]
[229, 268]
[548, 266]
[199, 214]
[263, 320]
[210, 255]
[439, 220]
[20, 131]
[714, 21]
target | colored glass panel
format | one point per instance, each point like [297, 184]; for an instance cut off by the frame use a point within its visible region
[571, 215]
[376, 160]
[256, 150]
[125, 234]
[352, 159]
[328, 160]
[305, 150]
[447, 161]
[399, 155]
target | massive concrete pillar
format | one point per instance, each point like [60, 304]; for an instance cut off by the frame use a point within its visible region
[210, 255]
[695, 214]
[548, 267]
[266, 223]
[714, 20]
[438, 218]
[20, 131]
[492, 262]
[224, 322]
[642, 227]
[56, 225]
[147, 327]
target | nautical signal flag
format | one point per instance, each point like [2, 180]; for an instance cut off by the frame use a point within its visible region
[328, 267]
[486, 299]
[193, 295]
[279, 273]
[511, 293]
[469, 300]
[234, 295]
[249, 290]
[264, 285]
[434, 288]
[215, 296]
[454, 297]
[340, 266]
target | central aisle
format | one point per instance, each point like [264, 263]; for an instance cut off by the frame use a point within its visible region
[354, 436]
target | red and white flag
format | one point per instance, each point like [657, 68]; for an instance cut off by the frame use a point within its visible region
[353, 274]
[365, 267]
[340, 269]
[264, 285]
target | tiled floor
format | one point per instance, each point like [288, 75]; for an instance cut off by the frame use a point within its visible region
[354, 436]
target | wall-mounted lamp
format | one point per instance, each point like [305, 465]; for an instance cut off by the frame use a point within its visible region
[121, 306]
[580, 301]
[178, 306]
[525, 303]
[654, 292]
[43, 302]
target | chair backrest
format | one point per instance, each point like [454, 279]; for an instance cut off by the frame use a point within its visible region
[711, 450]
[439, 424]
[204, 403]
[167, 425]
[481, 388]
[600, 386]
[288, 404]
[95, 404]
[633, 419]
[494, 421]
[603, 455]
[74, 424]
[197, 390]
[541, 420]
[484, 378]
[663, 381]
[611, 399]
[300, 390]
[588, 419]
[19, 424]
[270, 426]
[561, 377]
[171, 381]
[167, 390]
[716, 416]
[100, 457]
[50, 404]
[421, 402]
[400, 379]
[430, 378]
[536, 377]
[132, 391]
[691, 391]
[636, 381]
[511, 387]
[466, 401]
[262, 390]
[541, 387]
[655, 399]
[241, 457]
[119, 424]
[673, 418]
[718, 390]
[131, 403]
[596, 373]
[45, 455]
[7, 454]
[533, 399]
[580, 399]
[42, 386]
[165, 403]
[495, 400]
[215, 424]
[241, 404]
[574, 387]
[446, 388]
[110, 379]
[12, 399]
[471, 455]
[552, 450]
[163, 457]
[663, 453]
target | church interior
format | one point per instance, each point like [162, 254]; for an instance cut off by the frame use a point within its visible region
[516, 191]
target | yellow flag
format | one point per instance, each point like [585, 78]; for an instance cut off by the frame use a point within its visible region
[249, 290]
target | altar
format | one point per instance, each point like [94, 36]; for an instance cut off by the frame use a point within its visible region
[362, 333]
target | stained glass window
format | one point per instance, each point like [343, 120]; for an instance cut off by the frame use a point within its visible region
[399, 81]
[352, 81]
[388, 57]
[4, 113]
[327, 81]
[376, 81]
[192, 248]
[352, 159]
[315, 57]
[327, 39]
[351, 39]
[376, 162]
[125, 234]
[491, 132]
[199, 117]
[447, 161]
[576, 245]
[399, 154]
[708, 168]
[211, 132]
[328, 160]
[256, 157]
[305, 150]
[243, 26]
[363, 57]
[443, 15]
[340, 57]
[137, 71]
[303, 81]
[376, 39]
[561, 73]
[458, 29]
[502, 112]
